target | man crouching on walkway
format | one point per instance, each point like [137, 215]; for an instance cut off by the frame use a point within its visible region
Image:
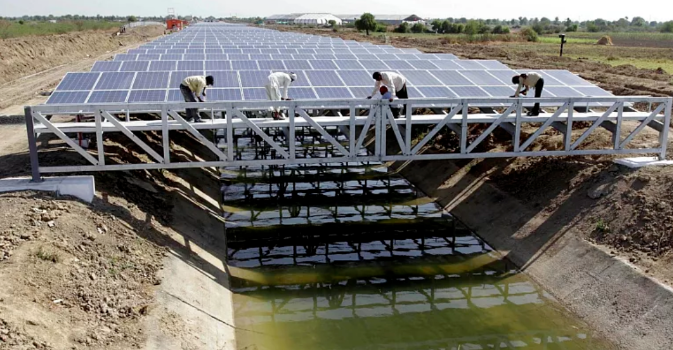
[279, 81]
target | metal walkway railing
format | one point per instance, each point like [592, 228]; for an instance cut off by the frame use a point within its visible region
[356, 121]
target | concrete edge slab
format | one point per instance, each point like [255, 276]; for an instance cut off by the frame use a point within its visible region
[639, 162]
[82, 187]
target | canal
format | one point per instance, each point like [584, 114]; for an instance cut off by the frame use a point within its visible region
[352, 256]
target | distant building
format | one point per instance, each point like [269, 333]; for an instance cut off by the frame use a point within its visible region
[318, 19]
[282, 19]
[385, 19]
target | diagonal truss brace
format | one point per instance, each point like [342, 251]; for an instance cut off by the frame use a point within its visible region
[262, 134]
[642, 125]
[365, 130]
[322, 131]
[198, 135]
[544, 127]
[436, 129]
[65, 138]
[109, 117]
[595, 126]
[492, 127]
[395, 127]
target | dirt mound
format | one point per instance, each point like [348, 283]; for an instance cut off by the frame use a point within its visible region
[72, 274]
[606, 40]
[27, 55]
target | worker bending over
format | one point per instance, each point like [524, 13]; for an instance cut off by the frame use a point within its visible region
[527, 81]
[194, 88]
[277, 88]
[396, 83]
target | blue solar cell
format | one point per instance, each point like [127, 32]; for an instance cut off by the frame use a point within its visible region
[218, 65]
[446, 65]
[155, 52]
[374, 64]
[491, 64]
[342, 50]
[217, 57]
[178, 76]
[254, 94]
[171, 57]
[567, 78]
[323, 64]
[344, 56]
[370, 57]
[225, 79]
[297, 64]
[137, 51]
[549, 80]
[563, 91]
[239, 65]
[125, 57]
[106, 66]
[194, 57]
[108, 96]
[147, 96]
[306, 51]
[269, 51]
[422, 64]
[301, 93]
[386, 56]
[349, 64]
[233, 51]
[322, 56]
[333, 92]
[359, 51]
[254, 78]
[260, 56]
[163, 66]
[63, 97]
[250, 51]
[499, 91]
[287, 51]
[469, 91]
[270, 64]
[436, 92]
[356, 77]
[174, 96]
[115, 80]
[446, 56]
[299, 56]
[450, 77]
[469, 64]
[481, 77]
[592, 91]
[399, 64]
[151, 80]
[214, 51]
[135, 66]
[224, 95]
[191, 65]
[149, 57]
[504, 76]
[360, 91]
[323, 78]
[239, 57]
[419, 77]
[406, 56]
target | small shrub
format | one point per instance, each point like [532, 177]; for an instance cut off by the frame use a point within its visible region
[602, 226]
[529, 34]
[47, 255]
[612, 58]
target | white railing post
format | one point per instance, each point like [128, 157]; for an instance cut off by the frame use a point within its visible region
[663, 136]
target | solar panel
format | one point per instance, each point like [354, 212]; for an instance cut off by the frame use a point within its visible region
[194, 57]
[254, 94]
[399, 64]
[323, 78]
[108, 96]
[151, 80]
[450, 78]
[593, 91]
[342, 56]
[218, 65]
[446, 56]
[134, 66]
[333, 92]
[147, 96]
[163, 66]
[419, 77]
[254, 78]
[64, 97]
[356, 77]
[504, 75]
[301, 93]
[499, 91]
[324, 56]
[174, 96]
[191, 65]
[224, 95]
[563, 91]
[323, 64]
[374, 65]
[115, 81]
[217, 57]
[422, 64]
[480, 77]
[360, 91]
[125, 57]
[106, 66]
[178, 76]
[491, 64]
[363, 57]
[446, 65]
[567, 78]
[297, 64]
[270, 64]
[349, 64]
[386, 56]
[436, 92]
[469, 91]
[225, 79]
[149, 57]
[469, 64]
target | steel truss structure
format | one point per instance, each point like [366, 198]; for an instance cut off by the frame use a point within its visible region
[359, 121]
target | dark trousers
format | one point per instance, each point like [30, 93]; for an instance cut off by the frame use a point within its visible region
[401, 94]
[192, 113]
[538, 93]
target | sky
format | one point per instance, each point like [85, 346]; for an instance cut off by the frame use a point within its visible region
[580, 10]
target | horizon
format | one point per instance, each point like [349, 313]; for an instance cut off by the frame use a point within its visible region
[489, 9]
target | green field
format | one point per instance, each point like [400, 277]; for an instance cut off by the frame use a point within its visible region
[15, 29]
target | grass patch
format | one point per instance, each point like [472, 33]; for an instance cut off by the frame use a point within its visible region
[602, 226]
[46, 255]
[569, 40]
[11, 29]
[119, 265]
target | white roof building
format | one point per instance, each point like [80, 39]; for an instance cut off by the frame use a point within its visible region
[317, 19]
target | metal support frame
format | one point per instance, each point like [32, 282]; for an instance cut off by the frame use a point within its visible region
[359, 127]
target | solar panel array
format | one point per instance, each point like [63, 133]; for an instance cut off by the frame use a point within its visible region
[241, 58]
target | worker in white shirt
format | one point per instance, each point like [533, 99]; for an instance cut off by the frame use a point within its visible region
[525, 82]
[194, 88]
[396, 83]
[276, 89]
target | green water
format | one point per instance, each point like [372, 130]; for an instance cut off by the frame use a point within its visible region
[350, 256]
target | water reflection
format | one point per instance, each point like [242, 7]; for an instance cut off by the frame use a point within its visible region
[351, 256]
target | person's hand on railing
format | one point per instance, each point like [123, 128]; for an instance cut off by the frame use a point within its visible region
[369, 97]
